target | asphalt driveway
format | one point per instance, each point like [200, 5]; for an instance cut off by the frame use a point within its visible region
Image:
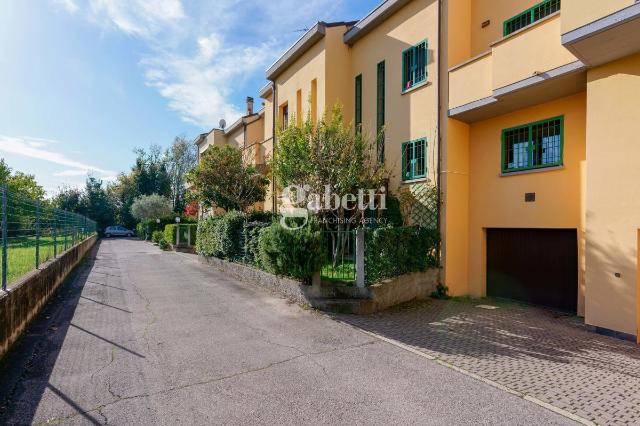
[140, 336]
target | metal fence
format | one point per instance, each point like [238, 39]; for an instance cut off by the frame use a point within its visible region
[33, 232]
[340, 246]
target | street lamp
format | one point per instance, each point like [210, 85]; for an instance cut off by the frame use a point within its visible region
[177, 230]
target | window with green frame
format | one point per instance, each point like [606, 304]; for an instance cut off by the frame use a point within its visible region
[380, 109]
[530, 16]
[414, 65]
[358, 102]
[414, 159]
[533, 146]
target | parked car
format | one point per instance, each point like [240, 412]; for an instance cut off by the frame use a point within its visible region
[117, 231]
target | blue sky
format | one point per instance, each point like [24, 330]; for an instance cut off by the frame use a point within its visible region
[83, 82]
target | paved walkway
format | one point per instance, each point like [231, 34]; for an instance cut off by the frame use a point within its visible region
[532, 351]
[140, 336]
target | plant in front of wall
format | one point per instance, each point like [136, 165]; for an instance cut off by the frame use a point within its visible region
[441, 292]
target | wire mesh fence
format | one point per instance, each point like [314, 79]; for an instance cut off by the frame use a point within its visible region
[33, 232]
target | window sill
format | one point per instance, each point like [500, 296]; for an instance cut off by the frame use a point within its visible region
[418, 180]
[416, 87]
[539, 170]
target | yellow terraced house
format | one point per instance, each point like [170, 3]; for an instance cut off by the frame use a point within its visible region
[524, 115]
[540, 160]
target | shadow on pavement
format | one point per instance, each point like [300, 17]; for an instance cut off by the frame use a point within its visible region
[27, 367]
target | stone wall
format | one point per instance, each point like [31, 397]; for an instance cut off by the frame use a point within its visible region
[24, 299]
[337, 297]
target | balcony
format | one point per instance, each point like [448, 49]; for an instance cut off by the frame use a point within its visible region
[526, 67]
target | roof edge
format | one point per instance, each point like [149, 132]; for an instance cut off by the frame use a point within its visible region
[307, 40]
[372, 20]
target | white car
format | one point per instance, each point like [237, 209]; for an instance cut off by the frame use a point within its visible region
[117, 231]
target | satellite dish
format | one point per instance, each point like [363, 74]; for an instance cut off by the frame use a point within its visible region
[222, 123]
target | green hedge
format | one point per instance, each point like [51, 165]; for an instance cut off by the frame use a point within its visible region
[221, 236]
[145, 228]
[157, 236]
[170, 233]
[297, 254]
[251, 235]
[390, 252]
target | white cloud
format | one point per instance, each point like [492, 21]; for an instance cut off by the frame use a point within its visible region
[69, 5]
[202, 54]
[199, 86]
[143, 18]
[36, 148]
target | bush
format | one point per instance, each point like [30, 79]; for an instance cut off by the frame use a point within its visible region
[170, 233]
[390, 251]
[298, 254]
[393, 212]
[164, 245]
[252, 241]
[221, 236]
[157, 236]
[145, 228]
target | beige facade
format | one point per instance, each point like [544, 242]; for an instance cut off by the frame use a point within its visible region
[579, 63]
[248, 134]
[492, 67]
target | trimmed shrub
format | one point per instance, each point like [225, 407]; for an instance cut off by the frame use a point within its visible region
[145, 228]
[207, 240]
[294, 253]
[170, 233]
[221, 236]
[390, 252]
[251, 233]
[157, 236]
[164, 244]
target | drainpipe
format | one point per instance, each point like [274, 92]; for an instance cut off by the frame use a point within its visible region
[274, 200]
[440, 77]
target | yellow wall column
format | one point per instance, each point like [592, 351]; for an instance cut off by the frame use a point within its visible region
[613, 194]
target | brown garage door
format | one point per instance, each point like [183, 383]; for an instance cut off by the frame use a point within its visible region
[538, 266]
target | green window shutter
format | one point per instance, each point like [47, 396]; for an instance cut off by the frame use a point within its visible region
[407, 64]
[414, 65]
[530, 16]
[380, 110]
[414, 159]
[533, 146]
[406, 160]
[358, 103]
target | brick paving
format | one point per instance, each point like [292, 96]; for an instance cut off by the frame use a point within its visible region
[536, 352]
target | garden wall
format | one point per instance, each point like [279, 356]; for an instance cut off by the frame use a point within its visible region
[24, 299]
[337, 297]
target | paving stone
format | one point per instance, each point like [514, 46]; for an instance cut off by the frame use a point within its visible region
[549, 356]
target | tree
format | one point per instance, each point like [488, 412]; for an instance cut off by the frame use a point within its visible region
[69, 199]
[151, 207]
[97, 204]
[20, 183]
[329, 153]
[222, 179]
[180, 157]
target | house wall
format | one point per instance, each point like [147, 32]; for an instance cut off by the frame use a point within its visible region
[576, 13]
[411, 115]
[497, 201]
[613, 194]
[496, 11]
[298, 76]
[338, 85]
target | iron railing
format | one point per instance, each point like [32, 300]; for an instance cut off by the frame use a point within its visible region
[33, 232]
[340, 246]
